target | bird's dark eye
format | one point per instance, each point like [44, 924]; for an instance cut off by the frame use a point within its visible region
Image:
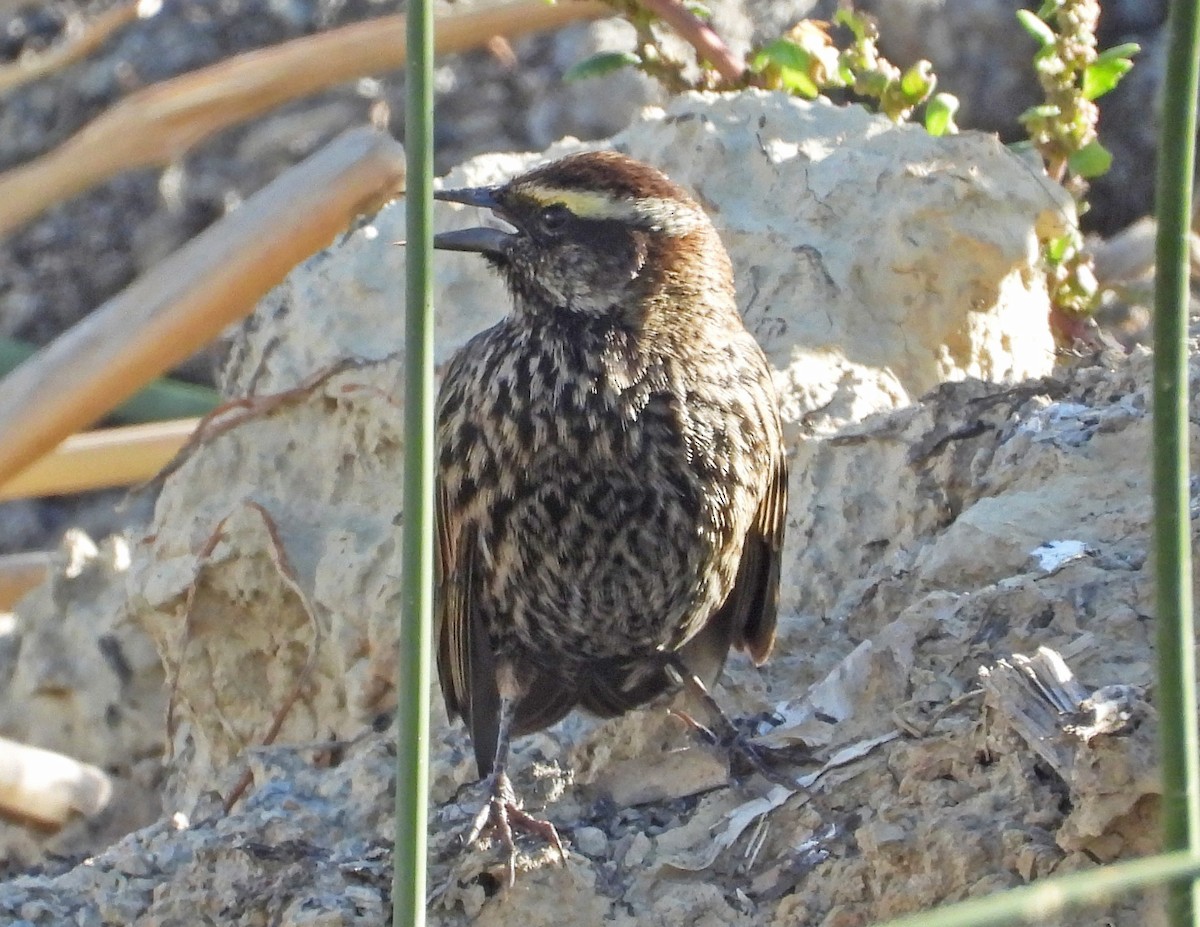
[555, 218]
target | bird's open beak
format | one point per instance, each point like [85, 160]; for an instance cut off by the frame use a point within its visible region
[482, 240]
[470, 196]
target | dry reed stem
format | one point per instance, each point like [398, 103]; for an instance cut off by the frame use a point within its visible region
[101, 460]
[74, 47]
[158, 125]
[185, 301]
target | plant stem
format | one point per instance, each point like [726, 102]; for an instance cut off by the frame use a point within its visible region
[412, 749]
[1180, 744]
[702, 37]
[1039, 902]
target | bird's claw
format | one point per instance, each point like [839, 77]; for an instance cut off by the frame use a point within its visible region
[503, 816]
[763, 760]
[742, 750]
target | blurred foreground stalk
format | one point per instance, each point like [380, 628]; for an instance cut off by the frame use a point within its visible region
[1176, 696]
[416, 620]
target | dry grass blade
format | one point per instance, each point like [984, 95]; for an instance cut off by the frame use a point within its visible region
[155, 126]
[76, 46]
[101, 459]
[185, 301]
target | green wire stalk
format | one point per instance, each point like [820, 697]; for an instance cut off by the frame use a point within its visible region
[1040, 902]
[412, 748]
[1180, 745]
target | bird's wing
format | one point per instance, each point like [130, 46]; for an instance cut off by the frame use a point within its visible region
[746, 619]
[465, 661]
[751, 609]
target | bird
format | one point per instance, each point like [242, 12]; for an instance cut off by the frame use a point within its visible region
[611, 478]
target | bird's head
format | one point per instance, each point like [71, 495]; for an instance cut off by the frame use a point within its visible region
[597, 233]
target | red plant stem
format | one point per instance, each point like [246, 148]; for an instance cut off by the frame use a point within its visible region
[697, 33]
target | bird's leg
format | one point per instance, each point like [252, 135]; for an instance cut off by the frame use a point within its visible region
[502, 814]
[726, 736]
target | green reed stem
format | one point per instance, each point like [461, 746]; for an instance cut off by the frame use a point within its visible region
[1180, 744]
[412, 749]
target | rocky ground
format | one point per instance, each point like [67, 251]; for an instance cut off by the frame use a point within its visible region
[958, 496]
[67, 261]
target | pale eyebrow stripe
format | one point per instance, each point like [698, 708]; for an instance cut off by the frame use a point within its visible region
[659, 213]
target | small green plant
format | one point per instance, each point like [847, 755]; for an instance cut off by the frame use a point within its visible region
[1073, 75]
[808, 62]
[805, 61]
[650, 56]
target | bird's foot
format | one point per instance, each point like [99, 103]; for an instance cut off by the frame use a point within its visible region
[772, 763]
[725, 734]
[744, 754]
[502, 816]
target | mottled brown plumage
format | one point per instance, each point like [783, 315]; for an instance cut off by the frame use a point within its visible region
[611, 476]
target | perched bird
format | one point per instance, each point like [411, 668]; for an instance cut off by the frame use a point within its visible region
[611, 478]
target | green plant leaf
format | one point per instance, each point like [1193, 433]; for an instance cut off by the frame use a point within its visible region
[793, 64]
[1101, 76]
[857, 23]
[1041, 32]
[698, 9]
[871, 84]
[1056, 248]
[799, 82]
[600, 64]
[1041, 111]
[783, 53]
[1092, 160]
[1124, 50]
[939, 114]
[918, 82]
[1049, 8]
